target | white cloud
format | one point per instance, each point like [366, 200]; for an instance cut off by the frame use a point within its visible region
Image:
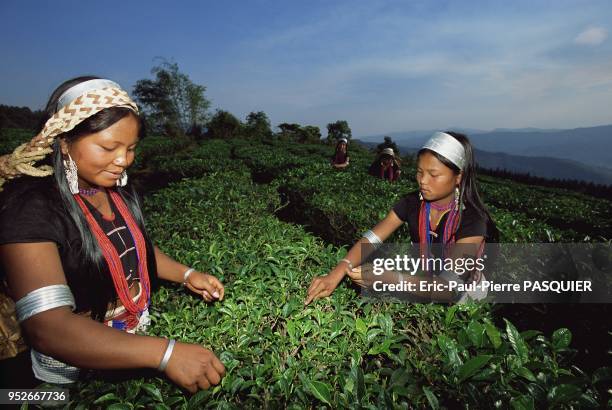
[592, 36]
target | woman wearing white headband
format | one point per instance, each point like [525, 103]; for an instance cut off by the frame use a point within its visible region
[340, 160]
[75, 251]
[386, 166]
[446, 210]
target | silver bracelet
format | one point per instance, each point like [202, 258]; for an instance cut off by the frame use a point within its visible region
[350, 264]
[43, 299]
[186, 275]
[164, 362]
[373, 238]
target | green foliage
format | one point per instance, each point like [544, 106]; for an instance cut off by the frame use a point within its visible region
[555, 207]
[19, 117]
[223, 125]
[257, 126]
[154, 146]
[171, 101]
[337, 130]
[11, 138]
[343, 351]
[308, 134]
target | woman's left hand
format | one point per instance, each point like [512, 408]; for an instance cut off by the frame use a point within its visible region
[206, 285]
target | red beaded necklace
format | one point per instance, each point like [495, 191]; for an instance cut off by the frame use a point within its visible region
[113, 260]
[450, 228]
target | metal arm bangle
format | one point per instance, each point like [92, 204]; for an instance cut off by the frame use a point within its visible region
[43, 299]
[186, 275]
[350, 264]
[164, 362]
[373, 238]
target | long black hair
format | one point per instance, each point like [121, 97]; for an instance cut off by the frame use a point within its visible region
[468, 189]
[94, 270]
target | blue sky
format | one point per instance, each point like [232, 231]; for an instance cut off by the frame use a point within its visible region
[383, 66]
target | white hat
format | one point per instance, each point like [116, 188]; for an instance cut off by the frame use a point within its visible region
[388, 151]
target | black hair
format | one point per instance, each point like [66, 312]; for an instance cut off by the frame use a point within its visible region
[93, 264]
[468, 188]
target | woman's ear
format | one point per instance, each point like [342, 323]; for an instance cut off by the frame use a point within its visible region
[458, 179]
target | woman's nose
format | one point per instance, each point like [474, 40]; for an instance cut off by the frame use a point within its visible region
[121, 160]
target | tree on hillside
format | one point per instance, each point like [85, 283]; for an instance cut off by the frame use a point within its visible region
[19, 117]
[337, 130]
[387, 143]
[223, 124]
[257, 126]
[309, 134]
[288, 131]
[171, 102]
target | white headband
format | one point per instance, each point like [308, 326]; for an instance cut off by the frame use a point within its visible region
[343, 140]
[388, 151]
[81, 88]
[447, 146]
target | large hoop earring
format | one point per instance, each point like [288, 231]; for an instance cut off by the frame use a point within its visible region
[71, 171]
[122, 181]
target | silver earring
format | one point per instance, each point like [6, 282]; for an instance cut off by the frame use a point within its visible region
[420, 196]
[122, 181]
[457, 193]
[70, 168]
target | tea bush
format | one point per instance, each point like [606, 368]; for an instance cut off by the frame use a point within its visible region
[343, 351]
[340, 206]
[555, 207]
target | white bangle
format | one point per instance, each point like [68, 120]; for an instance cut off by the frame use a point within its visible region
[164, 362]
[350, 265]
[186, 275]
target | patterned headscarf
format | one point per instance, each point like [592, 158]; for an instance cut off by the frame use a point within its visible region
[75, 105]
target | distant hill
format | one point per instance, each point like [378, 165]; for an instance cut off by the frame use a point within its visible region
[545, 167]
[580, 153]
[590, 145]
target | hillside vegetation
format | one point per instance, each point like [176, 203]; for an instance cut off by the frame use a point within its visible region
[266, 217]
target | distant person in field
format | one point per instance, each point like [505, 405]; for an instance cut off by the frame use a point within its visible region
[75, 252]
[446, 212]
[386, 166]
[340, 159]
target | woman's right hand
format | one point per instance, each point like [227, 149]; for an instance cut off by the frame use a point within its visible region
[356, 275]
[323, 286]
[193, 367]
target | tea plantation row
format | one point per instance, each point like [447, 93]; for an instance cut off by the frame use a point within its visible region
[343, 351]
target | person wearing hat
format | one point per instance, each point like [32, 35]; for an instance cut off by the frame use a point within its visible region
[340, 160]
[386, 166]
[75, 252]
[445, 213]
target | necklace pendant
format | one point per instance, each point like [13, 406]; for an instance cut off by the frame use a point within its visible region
[433, 233]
